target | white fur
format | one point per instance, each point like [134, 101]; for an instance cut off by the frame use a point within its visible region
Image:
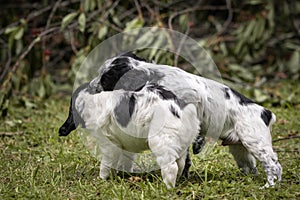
[152, 126]
[240, 126]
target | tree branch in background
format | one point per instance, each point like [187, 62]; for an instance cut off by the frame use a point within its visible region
[28, 49]
[56, 5]
[138, 7]
[175, 14]
[229, 18]
[180, 46]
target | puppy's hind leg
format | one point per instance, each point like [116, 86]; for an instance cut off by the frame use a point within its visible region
[126, 161]
[110, 159]
[169, 173]
[245, 160]
[104, 171]
[166, 158]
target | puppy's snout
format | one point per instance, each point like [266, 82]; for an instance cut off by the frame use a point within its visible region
[62, 131]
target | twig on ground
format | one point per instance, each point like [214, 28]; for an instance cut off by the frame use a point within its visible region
[4, 134]
[287, 138]
[287, 151]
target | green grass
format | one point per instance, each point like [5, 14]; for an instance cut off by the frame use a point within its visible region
[38, 164]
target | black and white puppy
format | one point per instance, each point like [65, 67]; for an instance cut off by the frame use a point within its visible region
[242, 124]
[129, 122]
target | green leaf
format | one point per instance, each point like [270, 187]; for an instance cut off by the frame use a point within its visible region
[249, 28]
[260, 96]
[8, 30]
[135, 23]
[29, 104]
[102, 32]
[117, 21]
[86, 5]
[19, 46]
[260, 27]
[145, 40]
[67, 19]
[41, 91]
[238, 47]
[2, 97]
[37, 39]
[19, 33]
[82, 22]
[255, 2]
[93, 5]
[294, 62]
[11, 40]
[23, 21]
[159, 43]
[183, 20]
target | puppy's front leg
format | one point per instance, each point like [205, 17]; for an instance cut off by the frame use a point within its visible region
[169, 174]
[104, 171]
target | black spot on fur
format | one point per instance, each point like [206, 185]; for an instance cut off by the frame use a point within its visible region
[131, 105]
[227, 95]
[122, 75]
[109, 79]
[124, 110]
[243, 100]
[198, 144]
[165, 94]
[266, 116]
[174, 111]
[139, 88]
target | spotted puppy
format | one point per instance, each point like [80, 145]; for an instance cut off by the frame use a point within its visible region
[223, 112]
[126, 123]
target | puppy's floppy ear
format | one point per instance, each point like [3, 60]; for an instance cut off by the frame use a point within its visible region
[74, 118]
[69, 124]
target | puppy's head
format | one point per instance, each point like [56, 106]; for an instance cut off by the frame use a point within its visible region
[74, 118]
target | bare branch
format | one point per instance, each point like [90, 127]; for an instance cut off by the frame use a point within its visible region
[192, 10]
[72, 40]
[31, 45]
[138, 7]
[7, 65]
[37, 13]
[180, 46]
[47, 26]
[229, 18]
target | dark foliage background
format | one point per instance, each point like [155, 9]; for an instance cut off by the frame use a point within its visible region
[255, 44]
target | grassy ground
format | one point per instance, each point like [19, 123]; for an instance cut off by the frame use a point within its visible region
[35, 163]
